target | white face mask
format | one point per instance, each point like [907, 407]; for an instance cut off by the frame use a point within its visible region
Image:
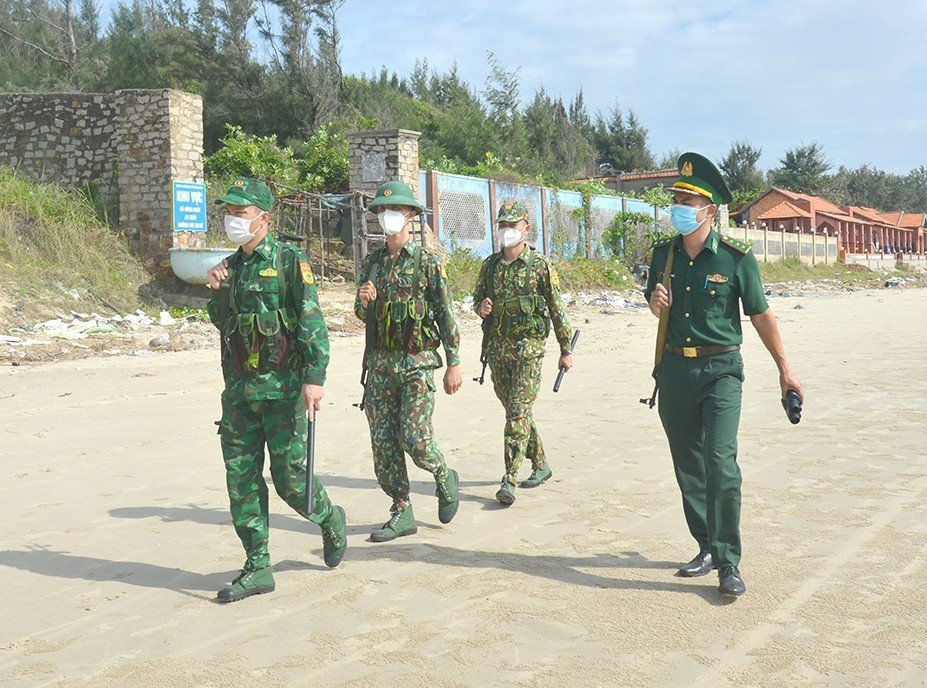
[238, 229]
[511, 236]
[392, 221]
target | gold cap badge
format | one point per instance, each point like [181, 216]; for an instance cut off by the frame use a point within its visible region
[687, 169]
[239, 182]
[388, 192]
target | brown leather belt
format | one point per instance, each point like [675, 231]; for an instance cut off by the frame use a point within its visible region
[699, 351]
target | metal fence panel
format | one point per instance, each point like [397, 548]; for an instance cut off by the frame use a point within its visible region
[463, 211]
[602, 212]
[531, 197]
[565, 223]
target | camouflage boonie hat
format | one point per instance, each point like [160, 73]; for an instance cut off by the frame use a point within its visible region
[245, 191]
[510, 211]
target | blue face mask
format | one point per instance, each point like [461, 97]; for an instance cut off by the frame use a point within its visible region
[683, 218]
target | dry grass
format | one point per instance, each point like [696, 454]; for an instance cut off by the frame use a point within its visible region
[52, 243]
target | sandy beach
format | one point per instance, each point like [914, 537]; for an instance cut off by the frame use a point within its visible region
[116, 533]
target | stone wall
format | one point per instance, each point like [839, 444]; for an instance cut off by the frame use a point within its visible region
[130, 145]
[68, 138]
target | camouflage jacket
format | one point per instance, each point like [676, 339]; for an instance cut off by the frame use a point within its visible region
[274, 339]
[433, 322]
[524, 304]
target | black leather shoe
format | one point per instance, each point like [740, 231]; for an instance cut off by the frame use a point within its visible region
[730, 582]
[700, 566]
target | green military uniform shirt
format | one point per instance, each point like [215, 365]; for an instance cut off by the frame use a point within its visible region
[706, 289]
[509, 284]
[394, 283]
[256, 292]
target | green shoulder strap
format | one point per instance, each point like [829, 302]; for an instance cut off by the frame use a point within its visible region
[529, 260]
[664, 314]
[491, 275]
[416, 273]
[281, 282]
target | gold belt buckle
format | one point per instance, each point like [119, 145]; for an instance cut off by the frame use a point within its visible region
[690, 351]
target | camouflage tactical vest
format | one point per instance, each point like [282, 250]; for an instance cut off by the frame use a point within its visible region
[522, 316]
[260, 342]
[405, 324]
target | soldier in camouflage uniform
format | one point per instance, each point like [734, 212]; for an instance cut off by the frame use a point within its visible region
[274, 355]
[405, 301]
[521, 292]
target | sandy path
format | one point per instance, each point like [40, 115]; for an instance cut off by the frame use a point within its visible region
[115, 530]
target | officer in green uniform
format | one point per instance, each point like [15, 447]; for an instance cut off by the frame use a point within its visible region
[274, 355]
[701, 375]
[521, 292]
[404, 298]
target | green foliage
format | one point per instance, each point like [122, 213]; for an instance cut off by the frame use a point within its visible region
[621, 142]
[463, 270]
[319, 164]
[578, 274]
[741, 199]
[627, 237]
[803, 169]
[245, 155]
[793, 270]
[739, 167]
[657, 196]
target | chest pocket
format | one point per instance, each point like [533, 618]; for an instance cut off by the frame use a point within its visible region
[260, 294]
[714, 298]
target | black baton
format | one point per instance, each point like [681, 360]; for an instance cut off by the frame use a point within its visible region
[310, 461]
[562, 369]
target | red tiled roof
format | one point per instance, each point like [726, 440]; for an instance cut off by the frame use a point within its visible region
[840, 215]
[654, 174]
[891, 218]
[912, 220]
[864, 213]
[782, 211]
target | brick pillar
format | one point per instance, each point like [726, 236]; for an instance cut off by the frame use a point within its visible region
[379, 156]
[159, 138]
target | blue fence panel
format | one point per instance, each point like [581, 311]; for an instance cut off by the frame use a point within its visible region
[565, 225]
[463, 213]
[635, 206]
[531, 197]
[602, 212]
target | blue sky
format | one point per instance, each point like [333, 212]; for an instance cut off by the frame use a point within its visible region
[849, 74]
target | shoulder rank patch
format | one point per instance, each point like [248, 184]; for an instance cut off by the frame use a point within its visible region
[306, 272]
[736, 244]
[268, 272]
[554, 277]
[716, 279]
[663, 241]
[443, 270]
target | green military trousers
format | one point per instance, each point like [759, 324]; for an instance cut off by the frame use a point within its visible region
[399, 407]
[699, 404]
[246, 427]
[517, 381]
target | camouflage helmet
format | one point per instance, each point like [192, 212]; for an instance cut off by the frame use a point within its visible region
[512, 211]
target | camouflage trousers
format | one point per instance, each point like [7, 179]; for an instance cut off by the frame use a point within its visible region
[246, 427]
[399, 409]
[516, 381]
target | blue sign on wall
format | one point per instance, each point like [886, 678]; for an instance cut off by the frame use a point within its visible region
[188, 207]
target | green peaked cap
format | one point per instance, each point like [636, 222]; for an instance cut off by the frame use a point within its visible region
[246, 191]
[394, 193]
[697, 175]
